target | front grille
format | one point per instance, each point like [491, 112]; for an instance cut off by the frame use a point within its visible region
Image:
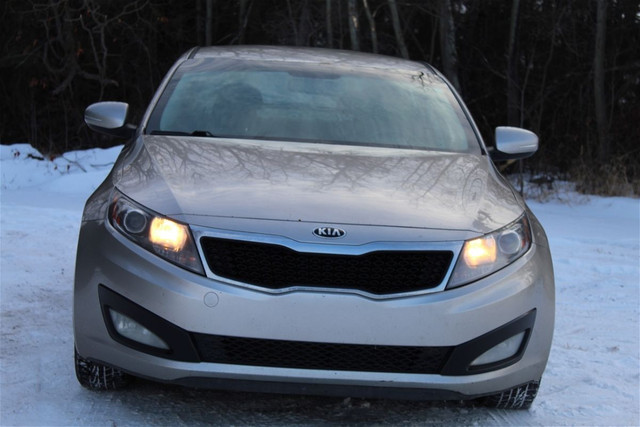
[277, 267]
[325, 356]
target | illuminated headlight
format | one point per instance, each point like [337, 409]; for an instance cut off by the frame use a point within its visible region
[133, 330]
[164, 237]
[489, 253]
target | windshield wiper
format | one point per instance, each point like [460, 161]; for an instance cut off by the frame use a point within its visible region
[180, 133]
[201, 133]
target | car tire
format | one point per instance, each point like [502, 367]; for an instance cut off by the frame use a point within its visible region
[517, 398]
[98, 377]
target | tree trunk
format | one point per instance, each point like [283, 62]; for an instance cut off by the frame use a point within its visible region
[303, 24]
[448, 44]
[541, 102]
[242, 10]
[514, 118]
[243, 19]
[208, 34]
[434, 34]
[513, 95]
[397, 29]
[372, 26]
[292, 20]
[598, 83]
[199, 32]
[329, 25]
[340, 26]
[353, 25]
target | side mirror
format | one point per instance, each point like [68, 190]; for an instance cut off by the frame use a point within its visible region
[514, 143]
[109, 118]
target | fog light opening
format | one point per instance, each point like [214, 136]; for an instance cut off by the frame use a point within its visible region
[129, 328]
[506, 349]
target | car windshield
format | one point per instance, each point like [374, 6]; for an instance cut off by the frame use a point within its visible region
[306, 102]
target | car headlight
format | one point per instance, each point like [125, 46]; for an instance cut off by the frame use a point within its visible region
[162, 236]
[491, 252]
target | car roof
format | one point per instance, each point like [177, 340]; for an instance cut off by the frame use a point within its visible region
[311, 56]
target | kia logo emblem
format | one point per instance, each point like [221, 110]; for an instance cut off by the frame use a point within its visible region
[329, 232]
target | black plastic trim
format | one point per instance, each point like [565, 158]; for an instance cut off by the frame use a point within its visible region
[464, 354]
[181, 346]
[500, 156]
[383, 391]
[127, 131]
[321, 356]
[193, 52]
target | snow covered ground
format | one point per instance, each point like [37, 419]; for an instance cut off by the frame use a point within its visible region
[592, 377]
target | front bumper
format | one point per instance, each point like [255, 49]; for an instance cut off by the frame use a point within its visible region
[193, 305]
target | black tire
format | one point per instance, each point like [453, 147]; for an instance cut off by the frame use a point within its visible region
[98, 377]
[517, 398]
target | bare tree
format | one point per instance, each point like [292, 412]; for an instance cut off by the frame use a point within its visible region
[540, 102]
[598, 82]
[294, 26]
[372, 26]
[329, 24]
[397, 29]
[304, 26]
[353, 25]
[209, 24]
[448, 43]
[199, 32]
[299, 17]
[243, 18]
[513, 100]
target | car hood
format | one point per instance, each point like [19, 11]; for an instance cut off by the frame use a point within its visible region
[318, 183]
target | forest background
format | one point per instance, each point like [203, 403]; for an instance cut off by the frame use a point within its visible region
[568, 70]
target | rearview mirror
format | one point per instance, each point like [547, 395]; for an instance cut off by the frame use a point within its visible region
[109, 118]
[514, 143]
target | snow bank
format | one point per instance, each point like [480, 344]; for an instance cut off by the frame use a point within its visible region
[24, 167]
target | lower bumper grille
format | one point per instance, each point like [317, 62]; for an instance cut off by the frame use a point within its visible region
[323, 356]
[278, 267]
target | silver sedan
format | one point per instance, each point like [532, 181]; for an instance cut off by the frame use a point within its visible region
[312, 221]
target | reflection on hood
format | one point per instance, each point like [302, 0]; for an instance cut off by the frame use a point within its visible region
[317, 183]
